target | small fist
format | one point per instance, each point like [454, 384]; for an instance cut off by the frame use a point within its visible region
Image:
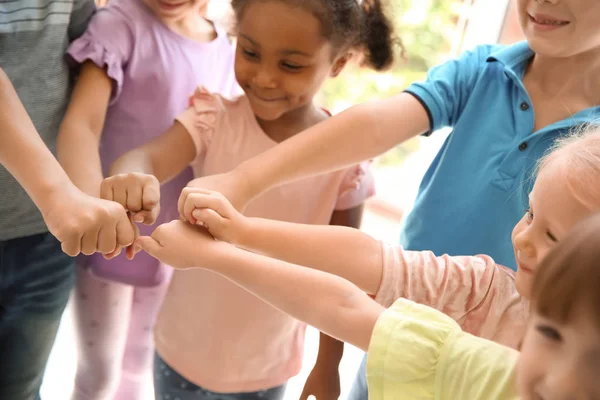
[138, 193]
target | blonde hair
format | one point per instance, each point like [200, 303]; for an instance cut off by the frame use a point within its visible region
[579, 155]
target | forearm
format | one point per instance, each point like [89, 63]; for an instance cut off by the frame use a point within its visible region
[330, 353]
[22, 151]
[360, 133]
[327, 302]
[78, 153]
[342, 251]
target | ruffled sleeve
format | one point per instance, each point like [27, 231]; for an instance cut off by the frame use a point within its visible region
[201, 118]
[108, 43]
[417, 352]
[356, 187]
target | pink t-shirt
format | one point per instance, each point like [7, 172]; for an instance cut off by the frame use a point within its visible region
[475, 291]
[209, 330]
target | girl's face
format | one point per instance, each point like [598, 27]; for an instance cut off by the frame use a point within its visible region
[560, 361]
[560, 28]
[282, 58]
[173, 10]
[553, 211]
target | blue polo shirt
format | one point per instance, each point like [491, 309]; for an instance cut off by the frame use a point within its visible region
[477, 187]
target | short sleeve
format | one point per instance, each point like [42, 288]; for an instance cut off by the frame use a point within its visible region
[420, 353]
[448, 86]
[405, 351]
[108, 43]
[357, 186]
[200, 119]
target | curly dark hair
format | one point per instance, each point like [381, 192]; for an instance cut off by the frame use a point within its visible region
[348, 25]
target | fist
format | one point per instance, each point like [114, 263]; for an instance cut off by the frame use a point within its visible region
[138, 193]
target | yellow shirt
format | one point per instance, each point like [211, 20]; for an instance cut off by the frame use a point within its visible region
[419, 353]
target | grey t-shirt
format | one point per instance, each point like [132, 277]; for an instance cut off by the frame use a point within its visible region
[34, 35]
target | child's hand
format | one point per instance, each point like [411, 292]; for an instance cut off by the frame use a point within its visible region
[233, 186]
[183, 246]
[214, 212]
[85, 224]
[138, 193]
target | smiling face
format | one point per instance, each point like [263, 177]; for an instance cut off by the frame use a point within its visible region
[282, 59]
[560, 28]
[553, 210]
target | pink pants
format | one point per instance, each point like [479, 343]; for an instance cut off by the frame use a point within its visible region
[114, 324]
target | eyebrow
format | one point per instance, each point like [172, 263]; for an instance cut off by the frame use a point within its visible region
[288, 52]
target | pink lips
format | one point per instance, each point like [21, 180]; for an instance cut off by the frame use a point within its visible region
[545, 22]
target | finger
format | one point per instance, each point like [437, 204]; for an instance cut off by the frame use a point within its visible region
[107, 239]
[134, 198]
[181, 201]
[72, 245]
[149, 245]
[120, 194]
[106, 190]
[200, 200]
[208, 218]
[113, 253]
[89, 242]
[125, 231]
[130, 252]
[150, 196]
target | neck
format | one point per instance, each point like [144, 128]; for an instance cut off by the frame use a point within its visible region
[577, 75]
[293, 122]
[193, 26]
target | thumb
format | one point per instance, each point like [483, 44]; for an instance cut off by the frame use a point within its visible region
[149, 245]
[208, 218]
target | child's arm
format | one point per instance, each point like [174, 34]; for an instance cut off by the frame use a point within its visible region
[339, 250]
[360, 133]
[74, 218]
[135, 177]
[327, 302]
[79, 136]
[324, 379]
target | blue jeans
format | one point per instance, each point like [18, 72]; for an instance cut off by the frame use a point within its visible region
[359, 389]
[36, 278]
[169, 385]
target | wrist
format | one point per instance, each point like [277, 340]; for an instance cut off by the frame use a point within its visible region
[244, 231]
[247, 180]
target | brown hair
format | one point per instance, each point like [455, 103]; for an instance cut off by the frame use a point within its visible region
[569, 276]
[349, 25]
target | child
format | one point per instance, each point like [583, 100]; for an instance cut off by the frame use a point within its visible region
[487, 299]
[72, 217]
[141, 61]
[488, 96]
[37, 276]
[230, 343]
[415, 352]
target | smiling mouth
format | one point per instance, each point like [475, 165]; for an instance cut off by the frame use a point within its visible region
[547, 21]
[265, 99]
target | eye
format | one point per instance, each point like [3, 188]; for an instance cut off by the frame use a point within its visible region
[249, 53]
[549, 333]
[291, 67]
[529, 215]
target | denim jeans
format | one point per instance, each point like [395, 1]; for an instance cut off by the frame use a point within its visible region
[169, 385]
[36, 278]
[359, 389]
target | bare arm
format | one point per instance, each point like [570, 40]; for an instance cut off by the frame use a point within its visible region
[20, 143]
[360, 133]
[329, 303]
[80, 132]
[348, 252]
[164, 157]
[80, 222]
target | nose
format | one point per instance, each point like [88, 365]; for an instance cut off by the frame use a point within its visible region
[523, 242]
[265, 77]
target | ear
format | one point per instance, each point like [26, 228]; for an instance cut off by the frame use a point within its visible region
[339, 64]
